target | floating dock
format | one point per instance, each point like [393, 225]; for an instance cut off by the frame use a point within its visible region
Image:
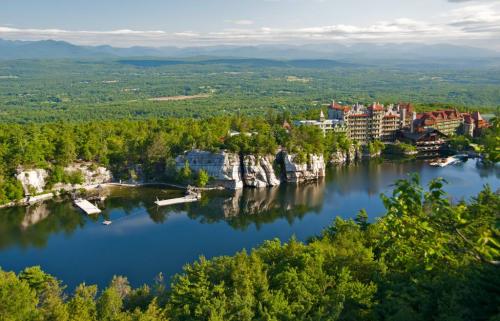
[87, 207]
[180, 200]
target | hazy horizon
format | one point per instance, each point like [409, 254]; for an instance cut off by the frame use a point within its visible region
[192, 23]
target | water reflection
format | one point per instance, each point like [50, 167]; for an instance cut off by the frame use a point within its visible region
[346, 188]
[259, 206]
[33, 225]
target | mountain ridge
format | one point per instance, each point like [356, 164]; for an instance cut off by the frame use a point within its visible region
[360, 52]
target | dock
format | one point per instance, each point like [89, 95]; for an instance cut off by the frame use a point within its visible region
[186, 199]
[87, 207]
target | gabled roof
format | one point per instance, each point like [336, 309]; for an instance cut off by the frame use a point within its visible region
[432, 117]
[376, 107]
[422, 133]
[477, 116]
[336, 106]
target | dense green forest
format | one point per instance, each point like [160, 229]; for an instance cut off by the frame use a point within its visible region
[425, 259]
[154, 143]
[72, 90]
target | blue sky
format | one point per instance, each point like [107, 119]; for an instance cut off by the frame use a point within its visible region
[206, 22]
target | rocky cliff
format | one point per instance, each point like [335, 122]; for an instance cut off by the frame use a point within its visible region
[223, 167]
[91, 174]
[34, 181]
[231, 171]
[346, 156]
[354, 153]
[258, 171]
[296, 172]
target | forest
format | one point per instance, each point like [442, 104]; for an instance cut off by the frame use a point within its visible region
[87, 90]
[425, 259]
[154, 144]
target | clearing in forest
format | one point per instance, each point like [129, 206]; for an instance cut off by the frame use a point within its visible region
[174, 98]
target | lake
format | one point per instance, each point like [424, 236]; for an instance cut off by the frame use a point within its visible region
[144, 240]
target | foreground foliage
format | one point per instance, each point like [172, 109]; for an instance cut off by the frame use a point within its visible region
[426, 259]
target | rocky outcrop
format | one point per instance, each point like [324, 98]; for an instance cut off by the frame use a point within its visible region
[92, 175]
[338, 157]
[296, 172]
[258, 171]
[223, 167]
[346, 156]
[33, 180]
[354, 153]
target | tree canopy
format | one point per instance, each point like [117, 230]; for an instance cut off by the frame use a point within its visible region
[425, 259]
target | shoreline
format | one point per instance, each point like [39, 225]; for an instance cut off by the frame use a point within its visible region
[27, 201]
[40, 198]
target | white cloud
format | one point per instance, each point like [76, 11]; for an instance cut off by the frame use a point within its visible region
[469, 22]
[241, 22]
[477, 18]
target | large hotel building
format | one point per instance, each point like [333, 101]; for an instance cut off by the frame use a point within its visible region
[378, 122]
[365, 123]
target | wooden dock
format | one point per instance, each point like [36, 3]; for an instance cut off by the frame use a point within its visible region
[87, 207]
[186, 199]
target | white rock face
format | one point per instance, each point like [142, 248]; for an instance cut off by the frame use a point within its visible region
[222, 166]
[91, 176]
[297, 173]
[338, 157]
[32, 180]
[345, 156]
[258, 171]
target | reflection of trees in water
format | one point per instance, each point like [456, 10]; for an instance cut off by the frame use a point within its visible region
[32, 226]
[258, 206]
[486, 170]
[128, 200]
[369, 176]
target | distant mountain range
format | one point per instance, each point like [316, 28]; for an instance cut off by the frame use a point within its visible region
[357, 53]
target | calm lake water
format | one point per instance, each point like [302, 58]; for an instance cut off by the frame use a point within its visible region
[145, 240]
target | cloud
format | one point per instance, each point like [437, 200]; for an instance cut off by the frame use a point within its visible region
[474, 22]
[480, 18]
[242, 22]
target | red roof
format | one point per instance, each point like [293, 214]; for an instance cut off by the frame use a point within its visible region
[477, 116]
[359, 115]
[339, 107]
[391, 116]
[376, 107]
[433, 117]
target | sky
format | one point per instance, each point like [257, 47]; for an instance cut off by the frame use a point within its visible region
[157, 23]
